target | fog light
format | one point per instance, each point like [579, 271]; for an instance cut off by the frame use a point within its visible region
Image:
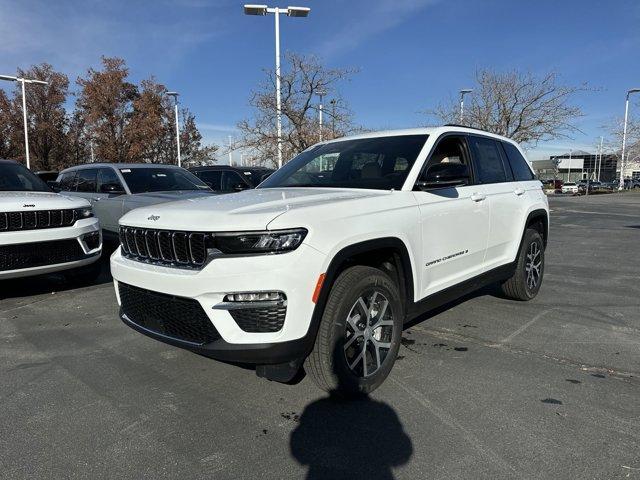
[255, 297]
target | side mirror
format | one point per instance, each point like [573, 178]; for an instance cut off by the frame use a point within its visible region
[53, 185]
[238, 187]
[113, 188]
[442, 175]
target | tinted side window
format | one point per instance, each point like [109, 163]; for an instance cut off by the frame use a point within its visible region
[87, 180]
[67, 182]
[211, 178]
[107, 176]
[518, 164]
[488, 160]
[230, 180]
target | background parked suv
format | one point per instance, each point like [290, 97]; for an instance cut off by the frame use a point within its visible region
[324, 263]
[43, 232]
[226, 179]
[115, 188]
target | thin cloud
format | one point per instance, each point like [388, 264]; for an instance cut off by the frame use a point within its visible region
[372, 19]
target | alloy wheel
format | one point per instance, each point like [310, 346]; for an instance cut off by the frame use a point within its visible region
[369, 333]
[533, 265]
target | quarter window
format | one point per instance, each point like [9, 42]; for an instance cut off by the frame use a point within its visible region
[489, 166]
[519, 165]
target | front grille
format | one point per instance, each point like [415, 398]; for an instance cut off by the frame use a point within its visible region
[35, 220]
[260, 320]
[165, 247]
[38, 254]
[176, 317]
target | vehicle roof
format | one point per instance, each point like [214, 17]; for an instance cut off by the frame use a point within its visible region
[2, 160]
[119, 165]
[422, 131]
[227, 167]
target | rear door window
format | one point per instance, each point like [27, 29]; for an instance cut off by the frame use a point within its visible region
[67, 181]
[108, 176]
[519, 165]
[86, 180]
[229, 181]
[488, 161]
[211, 178]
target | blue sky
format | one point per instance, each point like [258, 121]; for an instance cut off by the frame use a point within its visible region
[411, 53]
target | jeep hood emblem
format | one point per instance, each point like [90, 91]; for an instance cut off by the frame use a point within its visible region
[26, 205]
[153, 217]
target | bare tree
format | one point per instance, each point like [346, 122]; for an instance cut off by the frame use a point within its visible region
[520, 106]
[613, 144]
[304, 79]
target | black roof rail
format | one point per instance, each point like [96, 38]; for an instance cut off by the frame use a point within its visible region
[464, 126]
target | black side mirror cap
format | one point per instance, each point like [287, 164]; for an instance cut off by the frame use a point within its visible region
[53, 185]
[443, 175]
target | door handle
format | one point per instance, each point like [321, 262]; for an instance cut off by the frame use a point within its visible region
[519, 191]
[478, 197]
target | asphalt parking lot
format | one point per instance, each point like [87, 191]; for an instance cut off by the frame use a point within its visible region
[485, 388]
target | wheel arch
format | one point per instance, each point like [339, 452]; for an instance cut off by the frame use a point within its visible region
[539, 220]
[390, 254]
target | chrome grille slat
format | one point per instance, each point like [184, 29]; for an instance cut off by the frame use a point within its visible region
[164, 247]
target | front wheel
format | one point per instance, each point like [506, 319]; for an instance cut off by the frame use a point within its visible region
[359, 333]
[525, 282]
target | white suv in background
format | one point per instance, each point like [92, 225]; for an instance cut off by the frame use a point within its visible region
[42, 231]
[323, 264]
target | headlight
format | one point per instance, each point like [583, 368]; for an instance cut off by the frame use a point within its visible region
[84, 212]
[277, 241]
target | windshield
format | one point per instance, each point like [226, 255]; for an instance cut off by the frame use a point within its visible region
[16, 178]
[161, 179]
[380, 163]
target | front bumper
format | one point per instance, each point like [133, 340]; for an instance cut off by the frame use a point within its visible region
[294, 273]
[90, 251]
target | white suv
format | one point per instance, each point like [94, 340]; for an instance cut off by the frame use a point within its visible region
[42, 231]
[325, 261]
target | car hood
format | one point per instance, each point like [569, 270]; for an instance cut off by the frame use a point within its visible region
[247, 210]
[23, 201]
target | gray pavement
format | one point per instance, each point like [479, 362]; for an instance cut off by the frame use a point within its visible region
[484, 388]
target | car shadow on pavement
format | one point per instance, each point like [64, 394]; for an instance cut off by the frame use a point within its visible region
[53, 282]
[350, 439]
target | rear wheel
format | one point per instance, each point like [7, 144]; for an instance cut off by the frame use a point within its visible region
[525, 282]
[359, 334]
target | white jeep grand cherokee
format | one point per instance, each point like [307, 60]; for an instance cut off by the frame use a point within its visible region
[42, 231]
[324, 263]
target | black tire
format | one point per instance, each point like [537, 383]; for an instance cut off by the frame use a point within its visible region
[524, 284]
[84, 275]
[328, 365]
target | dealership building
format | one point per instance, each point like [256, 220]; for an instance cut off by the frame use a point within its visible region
[579, 165]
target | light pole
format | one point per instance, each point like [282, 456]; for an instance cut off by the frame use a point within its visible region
[333, 117]
[600, 157]
[624, 136]
[320, 93]
[24, 109]
[230, 151]
[175, 103]
[277, 11]
[463, 92]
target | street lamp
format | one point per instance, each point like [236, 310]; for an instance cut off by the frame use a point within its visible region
[277, 11]
[320, 93]
[24, 108]
[175, 102]
[463, 92]
[333, 117]
[624, 136]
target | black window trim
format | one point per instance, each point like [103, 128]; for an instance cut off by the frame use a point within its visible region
[472, 167]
